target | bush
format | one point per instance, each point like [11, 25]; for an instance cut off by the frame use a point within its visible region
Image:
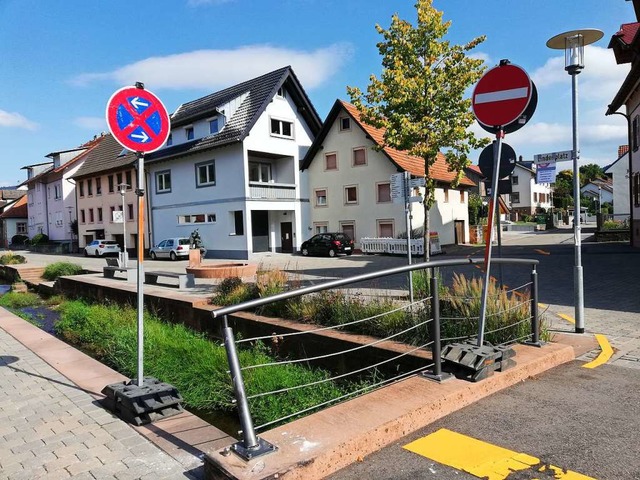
[19, 240]
[14, 300]
[39, 239]
[11, 258]
[61, 269]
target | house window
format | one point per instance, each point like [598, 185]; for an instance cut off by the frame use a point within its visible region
[351, 195]
[57, 193]
[83, 218]
[113, 211]
[535, 196]
[119, 178]
[282, 93]
[359, 156]
[635, 132]
[99, 186]
[636, 189]
[169, 140]
[320, 227]
[189, 133]
[259, 172]
[446, 195]
[91, 219]
[163, 181]
[331, 161]
[321, 197]
[384, 192]
[385, 228]
[130, 211]
[81, 188]
[514, 180]
[21, 228]
[281, 128]
[90, 187]
[213, 126]
[197, 218]
[237, 219]
[515, 197]
[461, 196]
[345, 124]
[100, 214]
[110, 179]
[206, 174]
[127, 179]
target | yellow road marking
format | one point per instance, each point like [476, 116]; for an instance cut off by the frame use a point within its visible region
[567, 318]
[482, 459]
[542, 305]
[541, 252]
[605, 353]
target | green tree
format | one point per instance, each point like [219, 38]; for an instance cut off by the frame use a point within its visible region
[590, 172]
[475, 208]
[563, 189]
[419, 98]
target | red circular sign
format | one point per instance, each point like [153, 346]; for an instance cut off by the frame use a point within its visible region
[137, 119]
[501, 96]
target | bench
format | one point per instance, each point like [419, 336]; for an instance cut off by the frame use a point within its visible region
[110, 270]
[185, 280]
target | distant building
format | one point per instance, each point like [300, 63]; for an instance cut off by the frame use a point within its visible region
[528, 197]
[13, 220]
[619, 172]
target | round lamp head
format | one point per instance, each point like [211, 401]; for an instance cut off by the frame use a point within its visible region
[573, 42]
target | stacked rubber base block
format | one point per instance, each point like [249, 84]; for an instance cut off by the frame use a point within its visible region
[142, 404]
[474, 363]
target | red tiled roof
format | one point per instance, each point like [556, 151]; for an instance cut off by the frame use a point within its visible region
[627, 32]
[18, 210]
[438, 171]
[476, 169]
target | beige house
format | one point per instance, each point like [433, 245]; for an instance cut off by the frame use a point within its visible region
[99, 196]
[350, 184]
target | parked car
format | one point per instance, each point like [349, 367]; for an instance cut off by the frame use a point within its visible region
[327, 244]
[172, 248]
[99, 248]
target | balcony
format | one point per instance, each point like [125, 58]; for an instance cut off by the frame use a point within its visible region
[272, 191]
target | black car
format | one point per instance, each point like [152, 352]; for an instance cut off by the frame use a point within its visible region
[327, 244]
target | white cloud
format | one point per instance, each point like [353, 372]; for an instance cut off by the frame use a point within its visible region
[91, 123]
[214, 69]
[13, 119]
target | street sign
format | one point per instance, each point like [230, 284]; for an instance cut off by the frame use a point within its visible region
[507, 161]
[137, 119]
[501, 97]
[565, 155]
[417, 182]
[118, 216]
[397, 188]
[546, 172]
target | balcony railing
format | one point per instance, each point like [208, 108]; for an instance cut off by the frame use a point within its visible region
[272, 191]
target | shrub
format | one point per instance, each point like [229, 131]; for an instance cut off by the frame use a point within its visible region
[613, 225]
[61, 269]
[39, 239]
[11, 258]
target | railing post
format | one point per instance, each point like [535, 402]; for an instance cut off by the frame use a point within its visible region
[251, 445]
[535, 324]
[436, 347]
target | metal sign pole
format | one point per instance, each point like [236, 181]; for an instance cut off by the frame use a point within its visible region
[407, 209]
[497, 150]
[140, 194]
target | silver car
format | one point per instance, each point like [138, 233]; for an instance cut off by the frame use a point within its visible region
[172, 248]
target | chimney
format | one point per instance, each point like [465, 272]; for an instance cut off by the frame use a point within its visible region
[622, 149]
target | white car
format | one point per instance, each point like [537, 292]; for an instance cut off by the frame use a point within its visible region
[172, 248]
[98, 248]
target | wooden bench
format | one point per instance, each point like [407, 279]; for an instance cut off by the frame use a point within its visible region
[109, 272]
[185, 280]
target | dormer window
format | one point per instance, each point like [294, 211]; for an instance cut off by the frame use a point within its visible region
[214, 126]
[189, 133]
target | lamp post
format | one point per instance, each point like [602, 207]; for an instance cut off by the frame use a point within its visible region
[70, 209]
[125, 256]
[599, 199]
[630, 145]
[573, 43]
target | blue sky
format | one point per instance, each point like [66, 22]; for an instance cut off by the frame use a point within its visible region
[61, 61]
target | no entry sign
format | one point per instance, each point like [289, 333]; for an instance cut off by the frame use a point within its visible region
[137, 119]
[502, 96]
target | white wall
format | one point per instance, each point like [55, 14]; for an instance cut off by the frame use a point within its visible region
[620, 173]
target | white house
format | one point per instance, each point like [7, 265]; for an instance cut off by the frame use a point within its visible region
[601, 190]
[527, 196]
[13, 220]
[51, 195]
[619, 171]
[231, 168]
[349, 175]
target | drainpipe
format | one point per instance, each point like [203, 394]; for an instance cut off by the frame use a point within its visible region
[629, 140]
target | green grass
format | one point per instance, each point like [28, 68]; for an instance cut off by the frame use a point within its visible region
[15, 300]
[196, 366]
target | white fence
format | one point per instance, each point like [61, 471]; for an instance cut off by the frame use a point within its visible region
[397, 246]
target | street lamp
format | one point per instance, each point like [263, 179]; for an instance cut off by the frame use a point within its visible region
[70, 208]
[573, 43]
[125, 256]
[599, 199]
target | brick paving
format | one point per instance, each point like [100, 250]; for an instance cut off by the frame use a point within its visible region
[52, 429]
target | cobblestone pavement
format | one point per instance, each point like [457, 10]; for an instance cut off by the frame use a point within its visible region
[52, 429]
